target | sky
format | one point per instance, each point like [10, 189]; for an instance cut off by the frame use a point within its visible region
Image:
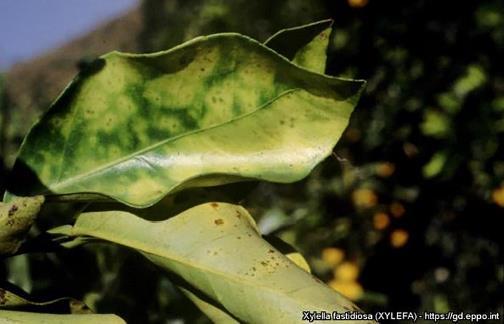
[31, 27]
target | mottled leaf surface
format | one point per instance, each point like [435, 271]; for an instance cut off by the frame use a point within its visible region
[214, 110]
[216, 248]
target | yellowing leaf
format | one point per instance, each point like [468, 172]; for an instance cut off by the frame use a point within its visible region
[12, 301]
[217, 250]
[37, 318]
[16, 219]
[214, 313]
[217, 109]
[17, 309]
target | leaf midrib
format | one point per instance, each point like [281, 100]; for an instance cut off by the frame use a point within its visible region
[58, 184]
[145, 248]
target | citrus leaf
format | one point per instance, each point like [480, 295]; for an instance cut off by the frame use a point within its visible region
[37, 318]
[218, 109]
[15, 308]
[305, 45]
[219, 315]
[214, 313]
[12, 301]
[299, 260]
[217, 249]
[16, 219]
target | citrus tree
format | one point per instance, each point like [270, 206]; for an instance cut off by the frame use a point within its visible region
[133, 129]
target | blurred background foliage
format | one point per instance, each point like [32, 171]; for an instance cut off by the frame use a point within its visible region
[403, 216]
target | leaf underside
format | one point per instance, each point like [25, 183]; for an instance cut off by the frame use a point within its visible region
[216, 247]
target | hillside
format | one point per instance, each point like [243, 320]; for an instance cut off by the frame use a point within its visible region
[31, 85]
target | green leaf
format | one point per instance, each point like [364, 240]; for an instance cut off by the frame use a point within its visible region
[16, 219]
[435, 165]
[37, 318]
[215, 110]
[436, 124]
[304, 45]
[18, 269]
[217, 250]
[474, 78]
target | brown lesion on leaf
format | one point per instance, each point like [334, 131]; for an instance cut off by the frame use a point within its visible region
[13, 209]
[11, 220]
[323, 36]
[219, 221]
[16, 219]
[214, 205]
[3, 297]
[79, 307]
